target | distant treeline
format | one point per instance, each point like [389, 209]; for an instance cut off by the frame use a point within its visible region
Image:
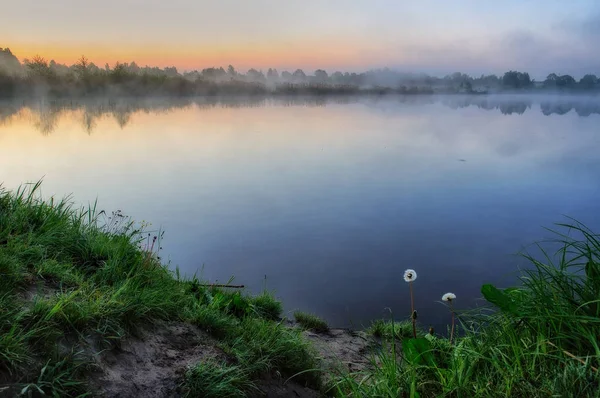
[37, 76]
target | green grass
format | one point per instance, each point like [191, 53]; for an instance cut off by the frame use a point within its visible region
[93, 275]
[386, 329]
[266, 306]
[539, 339]
[70, 274]
[311, 322]
[262, 346]
[215, 380]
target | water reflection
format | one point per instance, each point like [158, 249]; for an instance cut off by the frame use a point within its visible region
[45, 114]
[506, 107]
[583, 109]
[331, 198]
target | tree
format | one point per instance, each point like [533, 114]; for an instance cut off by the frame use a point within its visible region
[272, 74]
[38, 66]
[134, 68]
[589, 81]
[487, 81]
[466, 86]
[171, 71]
[356, 79]
[8, 62]
[321, 76]
[287, 76]
[562, 81]
[299, 75]
[255, 75]
[458, 78]
[565, 81]
[82, 67]
[93, 68]
[337, 77]
[119, 72]
[213, 73]
[231, 71]
[514, 79]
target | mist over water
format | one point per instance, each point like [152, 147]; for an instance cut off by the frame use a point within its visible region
[331, 199]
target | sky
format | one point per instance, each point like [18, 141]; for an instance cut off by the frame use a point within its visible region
[438, 37]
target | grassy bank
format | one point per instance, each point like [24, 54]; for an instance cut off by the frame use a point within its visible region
[71, 277]
[78, 283]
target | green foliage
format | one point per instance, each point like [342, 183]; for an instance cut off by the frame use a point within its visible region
[539, 339]
[262, 346]
[84, 79]
[14, 353]
[383, 378]
[212, 320]
[215, 380]
[387, 329]
[59, 378]
[64, 272]
[237, 304]
[418, 351]
[310, 321]
[517, 80]
[266, 306]
[61, 274]
[500, 298]
[78, 274]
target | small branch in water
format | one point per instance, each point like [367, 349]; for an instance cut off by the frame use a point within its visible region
[217, 285]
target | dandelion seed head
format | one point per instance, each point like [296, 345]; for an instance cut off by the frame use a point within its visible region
[448, 297]
[410, 275]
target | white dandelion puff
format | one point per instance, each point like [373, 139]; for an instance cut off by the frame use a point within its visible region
[410, 275]
[448, 297]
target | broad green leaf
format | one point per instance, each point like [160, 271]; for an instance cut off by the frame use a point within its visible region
[500, 298]
[418, 351]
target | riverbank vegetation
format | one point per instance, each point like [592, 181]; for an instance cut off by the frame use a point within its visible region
[38, 76]
[77, 284]
[311, 322]
[539, 339]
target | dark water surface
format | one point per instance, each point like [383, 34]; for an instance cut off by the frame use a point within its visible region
[330, 199]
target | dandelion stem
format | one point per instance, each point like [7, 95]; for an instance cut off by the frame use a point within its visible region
[412, 310]
[452, 329]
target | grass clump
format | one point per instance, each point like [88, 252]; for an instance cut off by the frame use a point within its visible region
[212, 320]
[263, 346]
[311, 322]
[388, 329]
[212, 379]
[267, 307]
[59, 274]
[63, 377]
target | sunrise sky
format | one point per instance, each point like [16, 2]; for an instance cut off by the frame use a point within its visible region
[474, 36]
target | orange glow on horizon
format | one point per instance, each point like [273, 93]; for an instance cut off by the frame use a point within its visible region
[307, 55]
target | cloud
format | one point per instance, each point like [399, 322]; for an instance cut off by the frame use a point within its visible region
[591, 27]
[565, 51]
[586, 28]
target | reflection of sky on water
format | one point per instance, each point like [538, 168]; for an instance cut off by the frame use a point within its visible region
[331, 202]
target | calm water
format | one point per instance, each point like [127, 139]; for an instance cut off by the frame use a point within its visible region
[331, 200]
